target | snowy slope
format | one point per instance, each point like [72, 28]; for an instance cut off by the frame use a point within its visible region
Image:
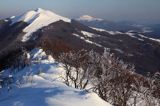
[41, 84]
[110, 32]
[87, 40]
[36, 20]
[129, 33]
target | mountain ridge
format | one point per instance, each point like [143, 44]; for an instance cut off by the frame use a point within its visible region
[63, 36]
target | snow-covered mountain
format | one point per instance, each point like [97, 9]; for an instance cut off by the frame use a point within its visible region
[123, 26]
[88, 18]
[36, 20]
[58, 34]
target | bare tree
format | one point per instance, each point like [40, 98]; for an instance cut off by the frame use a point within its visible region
[22, 61]
[113, 80]
[151, 92]
[77, 69]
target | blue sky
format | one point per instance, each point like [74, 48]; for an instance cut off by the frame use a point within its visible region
[117, 10]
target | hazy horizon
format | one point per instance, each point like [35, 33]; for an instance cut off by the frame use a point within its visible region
[142, 11]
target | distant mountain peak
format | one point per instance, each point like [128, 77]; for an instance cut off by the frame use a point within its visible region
[88, 18]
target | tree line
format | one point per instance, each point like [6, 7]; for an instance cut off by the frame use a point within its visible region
[113, 80]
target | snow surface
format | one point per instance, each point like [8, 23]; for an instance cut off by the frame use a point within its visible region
[36, 20]
[90, 35]
[110, 32]
[119, 50]
[129, 33]
[41, 84]
[88, 18]
[133, 36]
[153, 39]
[87, 40]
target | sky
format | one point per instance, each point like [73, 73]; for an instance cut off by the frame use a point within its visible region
[144, 11]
